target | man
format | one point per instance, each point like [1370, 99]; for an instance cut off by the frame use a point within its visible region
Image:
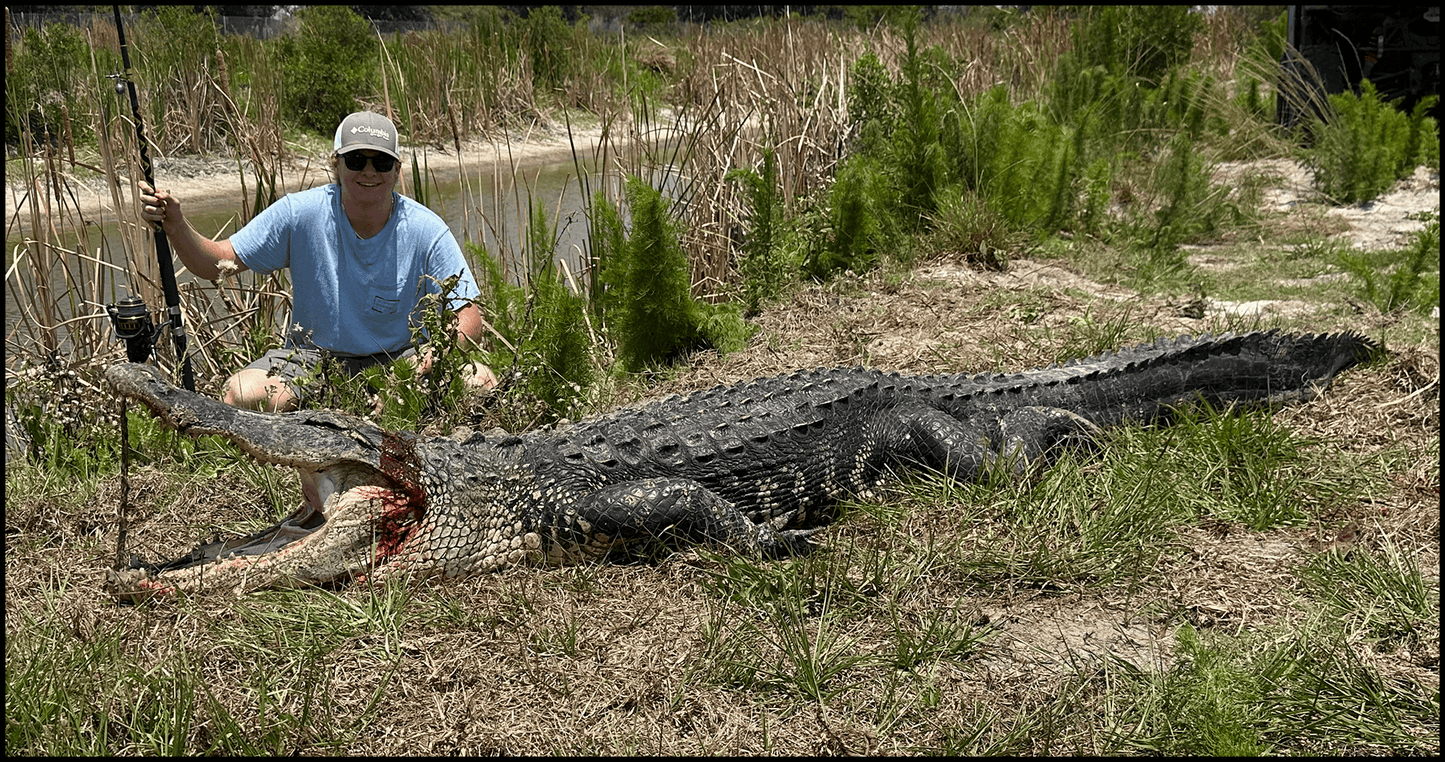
[361, 257]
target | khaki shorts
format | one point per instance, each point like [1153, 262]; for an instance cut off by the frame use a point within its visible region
[291, 364]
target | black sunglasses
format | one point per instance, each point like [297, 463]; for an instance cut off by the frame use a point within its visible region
[357, 161]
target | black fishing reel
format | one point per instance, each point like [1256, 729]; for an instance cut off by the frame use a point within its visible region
[134, 326]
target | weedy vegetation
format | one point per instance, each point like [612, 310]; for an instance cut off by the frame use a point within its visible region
[928, 193]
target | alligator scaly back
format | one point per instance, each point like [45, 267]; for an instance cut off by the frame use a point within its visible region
[755, 467]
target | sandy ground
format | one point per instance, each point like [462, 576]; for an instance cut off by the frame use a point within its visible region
[212, 183]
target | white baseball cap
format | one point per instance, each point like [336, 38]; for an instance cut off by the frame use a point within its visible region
[367, 129]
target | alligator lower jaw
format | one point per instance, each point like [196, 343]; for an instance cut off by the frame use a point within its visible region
[367, 522]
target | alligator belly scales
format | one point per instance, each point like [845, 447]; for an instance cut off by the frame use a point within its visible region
[754, 467]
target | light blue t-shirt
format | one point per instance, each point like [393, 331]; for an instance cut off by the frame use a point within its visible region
[355, 296]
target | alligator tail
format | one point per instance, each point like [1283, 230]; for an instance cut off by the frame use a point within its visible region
[1261, 368]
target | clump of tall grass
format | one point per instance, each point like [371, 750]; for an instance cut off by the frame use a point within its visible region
[1393, 279]
[1366, 144]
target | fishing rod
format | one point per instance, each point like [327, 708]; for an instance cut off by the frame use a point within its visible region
[132, 320]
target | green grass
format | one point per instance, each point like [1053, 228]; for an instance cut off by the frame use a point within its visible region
[259, 681]
[1299, 690]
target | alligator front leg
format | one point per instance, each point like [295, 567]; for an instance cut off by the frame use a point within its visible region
[641, 515]
[1021, 439]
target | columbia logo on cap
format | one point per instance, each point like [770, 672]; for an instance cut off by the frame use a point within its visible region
[383, 134]
[366, 129]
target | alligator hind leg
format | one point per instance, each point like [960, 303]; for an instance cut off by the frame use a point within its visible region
[1037, 435]
[673, 513]
[1019, 440]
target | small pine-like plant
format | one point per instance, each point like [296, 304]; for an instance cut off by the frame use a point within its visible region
[557, 352]
[657, 319]
[870, 94]
[1368, 144]
[1140, 41]
[1187, 208]
[646, 295]
[563, 368]
[762, 265]
[607, 243]
[549, 46]
[852, 220]
[546, 338]
[1398, 279]
[917, 165]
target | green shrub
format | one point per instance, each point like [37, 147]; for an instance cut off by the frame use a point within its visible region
[549, 46]
[1020, 163]
[870, 94]
[917, 166]
[49, 65]
[1368, 144]
[330, 63]
[1145, 41]
[762, 264]
[563, 368]
[652, 16]
[607, 240]
[549, 345]
[504, 304]
[558, 349]
[898, 128]
[647, 297]
[855, 209]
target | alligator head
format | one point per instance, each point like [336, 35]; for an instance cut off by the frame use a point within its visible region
[370, 493]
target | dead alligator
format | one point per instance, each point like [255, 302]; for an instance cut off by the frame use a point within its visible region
[754, 467]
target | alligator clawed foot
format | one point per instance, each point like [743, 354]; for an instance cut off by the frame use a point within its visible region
[795, 542]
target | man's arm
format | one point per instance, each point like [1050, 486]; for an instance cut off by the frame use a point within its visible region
[469, 326]
[200, 255]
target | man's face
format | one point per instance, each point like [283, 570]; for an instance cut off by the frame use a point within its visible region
[367, 184]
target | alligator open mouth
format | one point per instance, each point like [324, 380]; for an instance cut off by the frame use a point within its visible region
[361, 524]
[364, 514]
[300, 524]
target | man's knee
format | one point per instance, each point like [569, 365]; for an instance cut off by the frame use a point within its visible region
[479, 376]
[253, 389]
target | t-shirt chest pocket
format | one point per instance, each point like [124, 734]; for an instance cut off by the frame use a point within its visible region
[383, 301]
